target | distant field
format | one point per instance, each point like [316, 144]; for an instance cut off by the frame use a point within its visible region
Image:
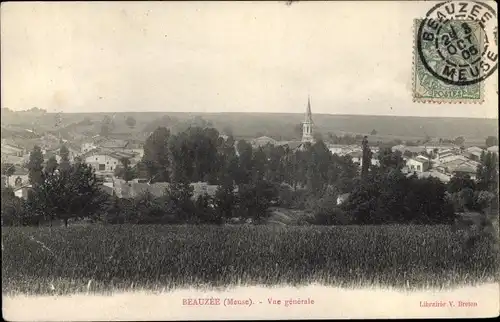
[109, 258]
[277, 125]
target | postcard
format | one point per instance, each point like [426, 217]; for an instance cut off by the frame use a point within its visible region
[215, 160]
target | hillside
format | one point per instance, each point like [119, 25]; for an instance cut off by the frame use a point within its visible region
[248, 125]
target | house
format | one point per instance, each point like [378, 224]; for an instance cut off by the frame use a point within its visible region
[493, 149]
[101, 161]
[262, 141]
[23, 191]
[11, 149]
[16, 160]
[413, 149]
[19, 178]
[133, 189]
[465, 170]
[113, 144]
[474, 153]
[88, 146]
[451, 167]
[340, 149]
[356, 156]
[105, 161]
[439, 148]
[418, 164]
[433, 173]
[73, 153]
[342, 198]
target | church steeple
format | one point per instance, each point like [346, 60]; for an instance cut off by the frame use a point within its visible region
[307, 126]
[308, 111]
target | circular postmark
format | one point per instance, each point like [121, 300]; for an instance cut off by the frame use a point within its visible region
[457, 42]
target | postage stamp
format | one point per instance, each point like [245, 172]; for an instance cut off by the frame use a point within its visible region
[455, 51]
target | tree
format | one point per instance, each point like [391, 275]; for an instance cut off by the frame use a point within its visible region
[228, 130]
[255, 198]
[460, 141]
[75, 193]
[106, 126]
[124, 171]
[64, 154]
[130, 121]
[373, 132]
[390, 160]
[491, 141]
[487, 172]
[8, 170]
[458, 183]
[245, 162]
[35, 166]
[366, 158]
[318, 136]
[156, 155]
[178, 197]
[224, 201]
[51, 165]
[13, 209]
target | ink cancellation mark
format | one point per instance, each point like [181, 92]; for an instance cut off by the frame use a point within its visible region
[456, 51]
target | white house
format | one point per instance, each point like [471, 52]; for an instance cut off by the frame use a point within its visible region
[474, 153]
[106, 161]
[102, 161]
[22, 192]
[418, 164]
[88, 146]
[493, 149]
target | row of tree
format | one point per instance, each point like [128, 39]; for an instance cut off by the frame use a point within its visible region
[310, 179]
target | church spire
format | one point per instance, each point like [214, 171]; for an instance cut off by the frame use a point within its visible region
[308, 111]
[307, 126]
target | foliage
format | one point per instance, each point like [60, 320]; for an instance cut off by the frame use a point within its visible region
[460, 141]
[131, 122]
[156, 155]
[124, 171]
[254, 199]
[75, 193]
[13, 209]
[51, 165]
[491, 141]
[487, 172]
[395, 198]
[366, 158]
[35, 166]
[390, 160]
[8, 169]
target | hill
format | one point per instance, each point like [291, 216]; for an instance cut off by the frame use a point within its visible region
[281, 126]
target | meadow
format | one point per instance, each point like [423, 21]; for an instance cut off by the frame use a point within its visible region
[106, 259]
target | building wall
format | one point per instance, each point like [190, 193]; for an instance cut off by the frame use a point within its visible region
[418, 166]
[102, 162]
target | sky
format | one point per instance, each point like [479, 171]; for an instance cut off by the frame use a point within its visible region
[349, 57]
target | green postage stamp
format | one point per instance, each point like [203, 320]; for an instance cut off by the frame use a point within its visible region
[455, 51]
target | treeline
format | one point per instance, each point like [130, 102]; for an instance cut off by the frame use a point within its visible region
[250, 181]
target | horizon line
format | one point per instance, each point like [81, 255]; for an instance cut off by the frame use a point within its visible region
[232, 112]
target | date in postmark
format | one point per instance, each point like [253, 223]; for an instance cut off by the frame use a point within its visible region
[456, 49]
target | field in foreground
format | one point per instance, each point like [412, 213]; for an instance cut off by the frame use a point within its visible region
[110, 258]
[329, 303]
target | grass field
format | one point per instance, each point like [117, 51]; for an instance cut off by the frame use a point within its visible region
[111, 258]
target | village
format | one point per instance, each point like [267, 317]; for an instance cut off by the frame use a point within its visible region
[433, 159]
